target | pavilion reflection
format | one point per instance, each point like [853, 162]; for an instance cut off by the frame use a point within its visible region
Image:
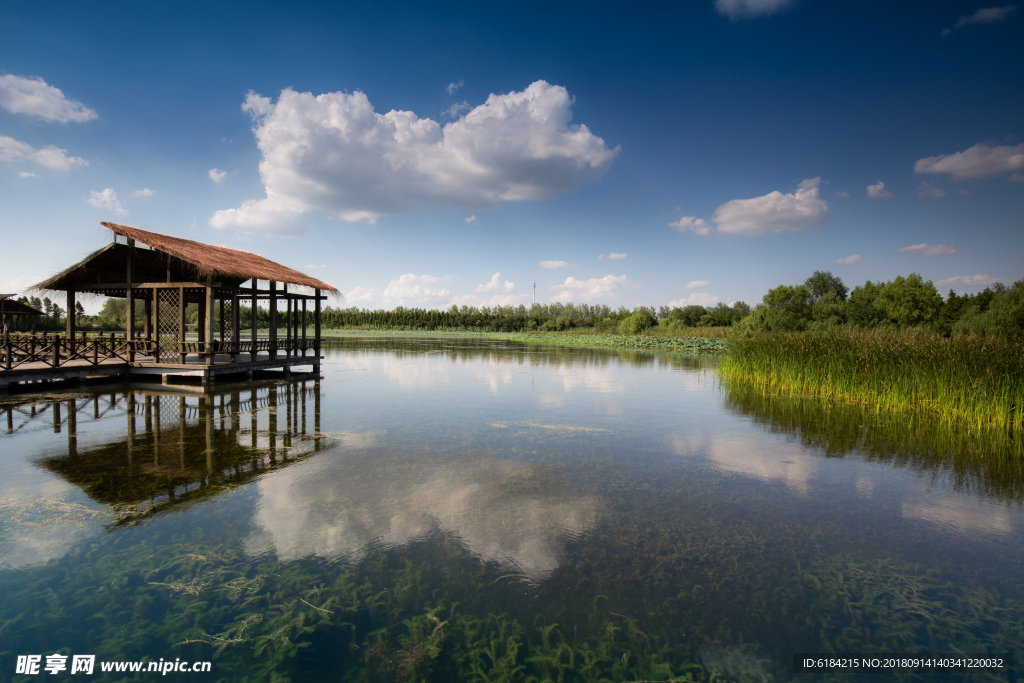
[177, 449]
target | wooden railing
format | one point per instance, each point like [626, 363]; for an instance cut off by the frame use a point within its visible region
[55, 350]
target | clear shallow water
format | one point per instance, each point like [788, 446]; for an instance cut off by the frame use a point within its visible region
[466, 509]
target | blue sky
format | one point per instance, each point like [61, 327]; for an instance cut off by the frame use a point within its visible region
[419, 155]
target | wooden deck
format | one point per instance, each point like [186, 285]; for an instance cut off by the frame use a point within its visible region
[195, 367]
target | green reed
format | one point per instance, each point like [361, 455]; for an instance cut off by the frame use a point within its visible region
[971, 381]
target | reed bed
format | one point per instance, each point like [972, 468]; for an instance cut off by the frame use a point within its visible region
[971, 381]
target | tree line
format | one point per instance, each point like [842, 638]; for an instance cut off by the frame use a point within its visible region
[822, 301]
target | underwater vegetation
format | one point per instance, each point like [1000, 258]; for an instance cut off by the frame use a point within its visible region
[702, 580]
[518, 550]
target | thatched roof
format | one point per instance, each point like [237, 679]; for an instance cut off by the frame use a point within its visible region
[9, 305]
[188, 260]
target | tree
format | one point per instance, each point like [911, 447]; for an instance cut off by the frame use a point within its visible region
[791, 299]
[637, 322]
[829, 310]
[909, 300]
[861, 309]
[822, 282]
[1004, 313]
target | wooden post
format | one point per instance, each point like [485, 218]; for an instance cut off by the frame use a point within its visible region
[70, 331]
[252, 320]
[273, 320]
[287, 322]
[129, 309]
[156, 323]
[303, 329]
[236, 321]
[208, 323]
[201, 327]
[181, 325]
[316, 340]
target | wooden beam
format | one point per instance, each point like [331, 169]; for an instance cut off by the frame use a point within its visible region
[71, 317]
[181, 325]
[287, 323]
[273, 320]
[252, 322]
[208, 324]
[129, 309]
[316, 361]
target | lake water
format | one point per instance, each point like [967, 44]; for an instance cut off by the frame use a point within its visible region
[444, 508]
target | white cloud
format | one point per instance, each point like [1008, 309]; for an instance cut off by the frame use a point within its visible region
[107, 200]
[986, 15]
[612, 256]
[696, 284]
[930, 249]
[217, 175]
[270, 216]
[843, 195]
[495, 285]
[774, 211]
[592, 290]
[27, 174]
[557, 264]
[878, 191]
[847, 260]
[334, 153]
[966, 281]
[1016, 178]
[979, 161]
[452, 87]
[144, 192]
[929, 190]
[49, 156]
[407, 290]
[696, 225]
[740, 9]
[695, 299]
[457, 108]
[473, 219]
[34, 97]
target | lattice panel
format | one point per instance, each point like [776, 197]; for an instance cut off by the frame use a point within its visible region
[168, 325]
[226, 317]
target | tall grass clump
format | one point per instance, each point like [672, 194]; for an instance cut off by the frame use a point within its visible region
[972, 381]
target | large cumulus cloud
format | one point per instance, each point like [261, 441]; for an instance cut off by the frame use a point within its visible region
[334, 153]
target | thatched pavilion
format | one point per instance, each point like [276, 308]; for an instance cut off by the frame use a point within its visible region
[165, 274]
[16, 316]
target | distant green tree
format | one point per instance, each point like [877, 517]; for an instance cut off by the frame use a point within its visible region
[1003, 314]
[794, 300]
[829, 310]
[910, 300]
[861, 308]
[822, 283]
[637, 322]
[688, 316]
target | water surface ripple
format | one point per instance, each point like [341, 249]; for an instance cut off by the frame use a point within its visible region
[445, 508]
